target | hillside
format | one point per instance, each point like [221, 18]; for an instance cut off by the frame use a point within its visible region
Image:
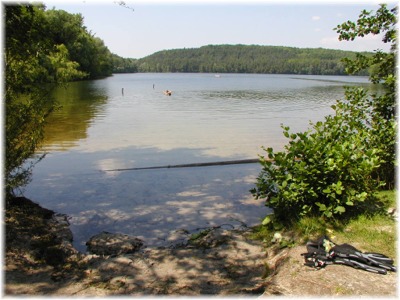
[247, 59]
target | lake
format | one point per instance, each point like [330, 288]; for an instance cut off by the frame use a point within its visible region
[126, 121]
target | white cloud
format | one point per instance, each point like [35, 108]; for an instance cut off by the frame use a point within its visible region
[316, 18]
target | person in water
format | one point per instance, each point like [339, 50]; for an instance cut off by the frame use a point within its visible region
[168, 92]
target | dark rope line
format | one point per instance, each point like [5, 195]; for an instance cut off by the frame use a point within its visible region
[194, 165]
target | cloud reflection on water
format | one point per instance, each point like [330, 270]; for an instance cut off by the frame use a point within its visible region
[150, 204]
[205, 120]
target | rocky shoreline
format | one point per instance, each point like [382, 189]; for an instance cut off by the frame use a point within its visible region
[40, 257]
[41, 260]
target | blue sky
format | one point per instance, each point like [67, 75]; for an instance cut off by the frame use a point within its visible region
[157, 25]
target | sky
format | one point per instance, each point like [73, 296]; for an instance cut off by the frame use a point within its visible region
[141, 28]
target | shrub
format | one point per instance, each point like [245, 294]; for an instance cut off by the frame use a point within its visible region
[326, 171]
[334, 169]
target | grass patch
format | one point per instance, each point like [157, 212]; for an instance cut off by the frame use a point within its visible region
[370, 232]
[388, 198]
[261, 233]
[373, 233]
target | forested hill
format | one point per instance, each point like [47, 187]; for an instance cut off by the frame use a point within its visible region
[247, 59]
[77, 45]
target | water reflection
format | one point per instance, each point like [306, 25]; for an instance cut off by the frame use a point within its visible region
[206, 119]
[150, 204]
[234, 114]
[80, 103]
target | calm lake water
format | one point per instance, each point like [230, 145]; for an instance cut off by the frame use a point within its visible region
[125, 121]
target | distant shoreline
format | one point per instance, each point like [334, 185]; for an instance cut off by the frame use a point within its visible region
[254, 59]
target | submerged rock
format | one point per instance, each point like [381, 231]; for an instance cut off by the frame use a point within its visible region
[107, 243]
[210, 237]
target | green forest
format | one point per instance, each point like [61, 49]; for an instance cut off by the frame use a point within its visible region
[77, 44]
[55, 35]
[247, 59]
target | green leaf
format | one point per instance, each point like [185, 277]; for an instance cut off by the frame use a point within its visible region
[266, 220]
[326, 191]
[340, 209]
[322, 207]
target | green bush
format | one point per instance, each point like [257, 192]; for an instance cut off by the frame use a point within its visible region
[333, 170]
[326, 171]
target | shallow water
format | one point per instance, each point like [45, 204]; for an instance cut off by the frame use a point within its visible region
[207, 118]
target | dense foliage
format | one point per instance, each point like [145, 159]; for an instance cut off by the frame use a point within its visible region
[382, 106]
[88, 51]
[247, 59]
[124, 65]
[333, 169]
[42, 49]
[326, 170]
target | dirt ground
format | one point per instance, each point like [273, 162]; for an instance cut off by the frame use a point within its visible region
[295, 279]
[221, 263]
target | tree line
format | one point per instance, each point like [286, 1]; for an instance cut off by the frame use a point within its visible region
[247, 59]
[89, 51]
[67, 32]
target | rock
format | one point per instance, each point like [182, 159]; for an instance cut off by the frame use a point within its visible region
[60, 226]
[210, 237]
[55, 256]
[392, 212]
[178, 238]
[107, 243]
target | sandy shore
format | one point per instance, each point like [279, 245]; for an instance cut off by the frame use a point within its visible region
[40, 260]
